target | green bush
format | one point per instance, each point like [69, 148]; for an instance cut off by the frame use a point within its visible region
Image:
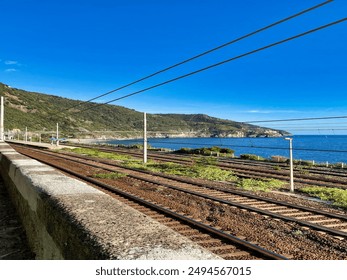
[307, 163]
[335, 195]
[201, 171]
[99, 154]
[260, 185]
[251, 157]
[204, 167]
[206, 151]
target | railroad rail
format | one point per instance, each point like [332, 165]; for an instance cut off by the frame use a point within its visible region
[306, 217]
[257, 171]
[217, 240]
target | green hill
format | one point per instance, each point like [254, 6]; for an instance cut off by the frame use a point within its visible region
[41, 112]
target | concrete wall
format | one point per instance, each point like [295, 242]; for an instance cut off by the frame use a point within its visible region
[67, 219]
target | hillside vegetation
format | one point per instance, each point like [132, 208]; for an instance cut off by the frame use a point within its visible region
[41, 112]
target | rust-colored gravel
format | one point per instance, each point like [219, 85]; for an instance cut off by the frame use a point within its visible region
[278, 236]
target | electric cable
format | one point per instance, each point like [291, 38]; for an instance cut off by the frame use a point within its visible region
[299, 119]
[218, 64]
[247, 146]
[205, 52]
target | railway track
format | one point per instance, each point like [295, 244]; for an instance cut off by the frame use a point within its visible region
[285, 166]
[307, 218]
[216, 240]
[258, 171]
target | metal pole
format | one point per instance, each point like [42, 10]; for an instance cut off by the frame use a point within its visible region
[144, 138]
[57, 134]
[2, 120]
[291, 164]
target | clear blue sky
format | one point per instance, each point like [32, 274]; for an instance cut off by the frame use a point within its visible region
[81, 49]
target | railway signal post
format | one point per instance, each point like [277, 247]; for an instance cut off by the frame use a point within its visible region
[57, 134]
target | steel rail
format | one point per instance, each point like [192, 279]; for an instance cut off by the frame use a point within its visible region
[318, 170]
[236, 204]
[226, 166]
[240, 242]
[333, 215]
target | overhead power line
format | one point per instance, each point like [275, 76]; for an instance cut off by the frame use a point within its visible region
[317, 129]
[299, 119]
[311, 124]
[249, 146]
[218, 64]
[204, 53]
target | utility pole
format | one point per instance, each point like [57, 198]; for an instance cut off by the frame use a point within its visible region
[291, 163]
[144, 138]
[2, 120]
[26, 134]
[57, 134]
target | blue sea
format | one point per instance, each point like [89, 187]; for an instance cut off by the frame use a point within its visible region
[320, 148]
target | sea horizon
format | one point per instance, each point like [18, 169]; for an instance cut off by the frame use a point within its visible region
[318, 148]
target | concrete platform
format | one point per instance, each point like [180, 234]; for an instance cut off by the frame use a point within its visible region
[40, 144]
[67, 219]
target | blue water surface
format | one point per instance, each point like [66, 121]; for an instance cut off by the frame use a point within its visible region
[320, 148]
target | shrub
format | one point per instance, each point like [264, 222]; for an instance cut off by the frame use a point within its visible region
[260, 185]
[307, 163]
[206, 151]
[202, 171]
[183, 151]
[227, 151]
[251, 157]
[279, 159]
[337, 196]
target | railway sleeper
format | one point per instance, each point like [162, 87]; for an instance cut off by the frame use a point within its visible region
[258, 203]
[244, 200]
[298, 213]
[274, 207]
[336, 225]
[339, 237]
[286, 211]
[223, 247]
[200, 236]
[172, 223]
[305, 216]
[324, 221]
[188, 232]
[312, 217]
[162, 220]
[180, 227]
[159, 216]
[209, 242]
